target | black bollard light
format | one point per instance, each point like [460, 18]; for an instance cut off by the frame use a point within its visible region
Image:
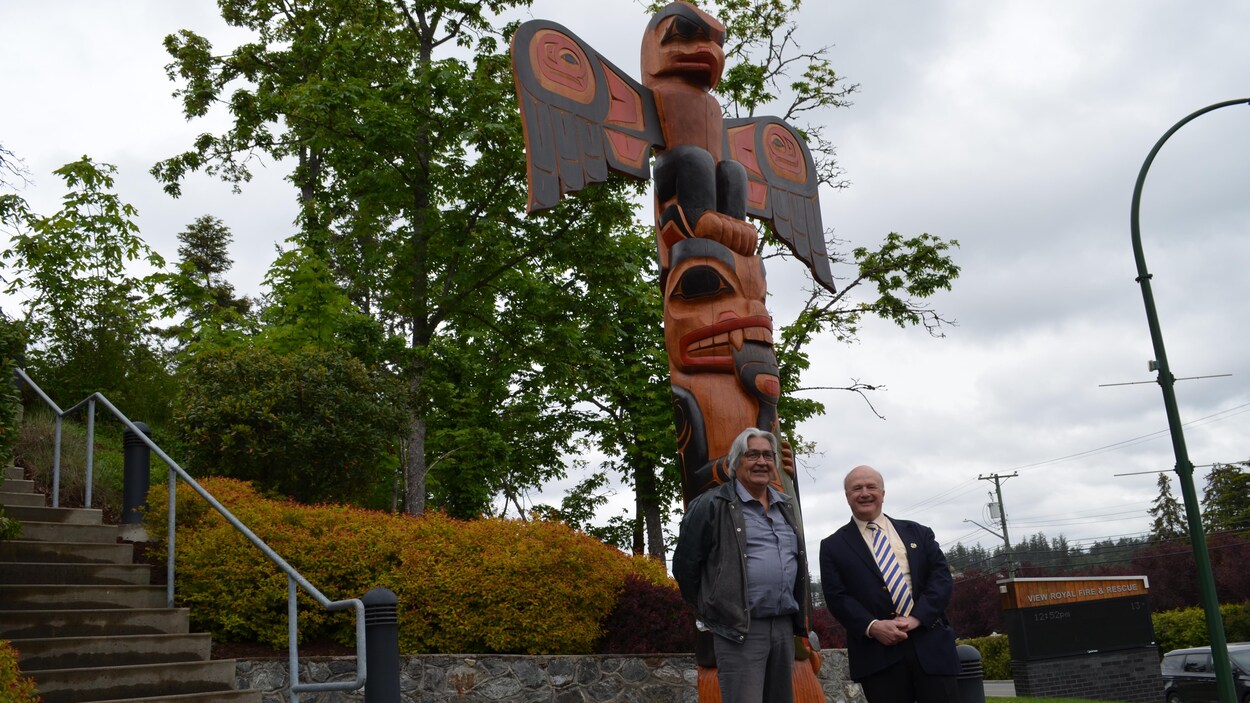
[136, 474]
[381, 646]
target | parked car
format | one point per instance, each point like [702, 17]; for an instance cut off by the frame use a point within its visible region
[1189, 676]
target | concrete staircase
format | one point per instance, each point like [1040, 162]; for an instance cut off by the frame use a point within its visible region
[85, 620]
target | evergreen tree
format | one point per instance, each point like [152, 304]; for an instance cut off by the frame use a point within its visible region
[1168, 518]
[199, 291]
[1226, 498]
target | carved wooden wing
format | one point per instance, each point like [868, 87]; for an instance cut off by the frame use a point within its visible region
[781, 187]
[581, 114]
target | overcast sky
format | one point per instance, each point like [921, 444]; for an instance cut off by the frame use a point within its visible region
[1017, 128]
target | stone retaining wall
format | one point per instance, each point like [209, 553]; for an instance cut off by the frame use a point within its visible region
[655, 678]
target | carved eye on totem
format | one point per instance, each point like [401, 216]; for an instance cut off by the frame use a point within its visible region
[685, 28]
[700, 282]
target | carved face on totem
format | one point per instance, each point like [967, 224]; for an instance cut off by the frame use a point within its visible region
[685, 43]
[715, 314]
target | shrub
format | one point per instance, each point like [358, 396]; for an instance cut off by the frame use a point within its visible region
[828, 630]
[1187, 627]
[504, 586]
[995, 655]
[649, 618]
[310, 425]
[10, 528]
[14, 688]
[236, 593]
[464, 586]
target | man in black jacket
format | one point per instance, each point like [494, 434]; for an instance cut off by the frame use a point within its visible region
[740, 562]
[887, 581]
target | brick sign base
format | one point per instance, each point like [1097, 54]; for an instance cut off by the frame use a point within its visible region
[1129, 675]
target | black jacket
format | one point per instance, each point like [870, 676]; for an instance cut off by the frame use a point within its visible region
[710, 562]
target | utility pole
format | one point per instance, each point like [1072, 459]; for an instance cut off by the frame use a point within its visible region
[1002, 514]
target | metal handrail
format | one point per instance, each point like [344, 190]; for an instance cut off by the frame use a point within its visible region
[294, 578]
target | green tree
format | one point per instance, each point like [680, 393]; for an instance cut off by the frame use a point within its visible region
[1226, 498]
[199, 291]
[306, 307]
[12, 351]
[87, 314]
[1167, 518]
[313, 425]
[409, 167]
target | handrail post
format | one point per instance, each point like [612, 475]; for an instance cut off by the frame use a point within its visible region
[56, 464]
[1184, 467]
[90, 450]
[170, 534]
[292, 625]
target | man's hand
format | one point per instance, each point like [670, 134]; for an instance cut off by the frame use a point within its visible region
[907, 623]
[888, 631]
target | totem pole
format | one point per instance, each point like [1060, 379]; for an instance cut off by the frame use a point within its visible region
[583, 116]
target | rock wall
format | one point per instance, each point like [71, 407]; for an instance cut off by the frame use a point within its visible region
[524, 679]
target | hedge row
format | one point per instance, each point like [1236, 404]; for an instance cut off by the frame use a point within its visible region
[491, 585]
[1187, 627]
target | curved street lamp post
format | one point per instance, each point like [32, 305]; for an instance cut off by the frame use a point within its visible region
[1184, 468]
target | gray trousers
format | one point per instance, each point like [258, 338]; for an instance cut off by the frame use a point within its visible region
[758, 670]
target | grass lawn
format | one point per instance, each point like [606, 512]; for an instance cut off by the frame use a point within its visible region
[1025, 699]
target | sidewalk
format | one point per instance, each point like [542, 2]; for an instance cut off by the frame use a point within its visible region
[1000, 689]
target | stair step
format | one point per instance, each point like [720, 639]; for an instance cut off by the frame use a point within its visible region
[15, 498]
[64, 532]
[14, 472]
[129, 682]
[26, 550]
[42, 596]
[73, 516]
[111, 650]
[40, 624]
[16, 485]
[44, 572]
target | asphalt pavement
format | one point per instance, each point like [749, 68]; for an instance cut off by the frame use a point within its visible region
[1000, 689]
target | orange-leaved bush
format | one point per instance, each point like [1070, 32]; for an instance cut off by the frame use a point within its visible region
[490, 585]
[14, 687]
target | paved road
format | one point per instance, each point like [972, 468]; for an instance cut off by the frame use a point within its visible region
[1000, 688]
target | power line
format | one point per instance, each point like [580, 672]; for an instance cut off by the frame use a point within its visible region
[963, 488]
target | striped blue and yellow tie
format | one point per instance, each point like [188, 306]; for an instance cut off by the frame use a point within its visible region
[900, 592]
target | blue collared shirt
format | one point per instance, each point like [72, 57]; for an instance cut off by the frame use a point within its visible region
[772, 550]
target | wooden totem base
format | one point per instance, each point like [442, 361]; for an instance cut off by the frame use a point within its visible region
[806, 687]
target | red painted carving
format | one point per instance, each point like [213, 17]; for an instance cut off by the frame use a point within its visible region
[562, 66]
[785, 156]
[626, 109]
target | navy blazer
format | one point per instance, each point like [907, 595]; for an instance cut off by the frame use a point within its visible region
[856, 594]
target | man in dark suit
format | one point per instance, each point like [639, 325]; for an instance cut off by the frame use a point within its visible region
[887, 582]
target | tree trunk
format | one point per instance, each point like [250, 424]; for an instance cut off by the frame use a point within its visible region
[414, 466]
[649, 513]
